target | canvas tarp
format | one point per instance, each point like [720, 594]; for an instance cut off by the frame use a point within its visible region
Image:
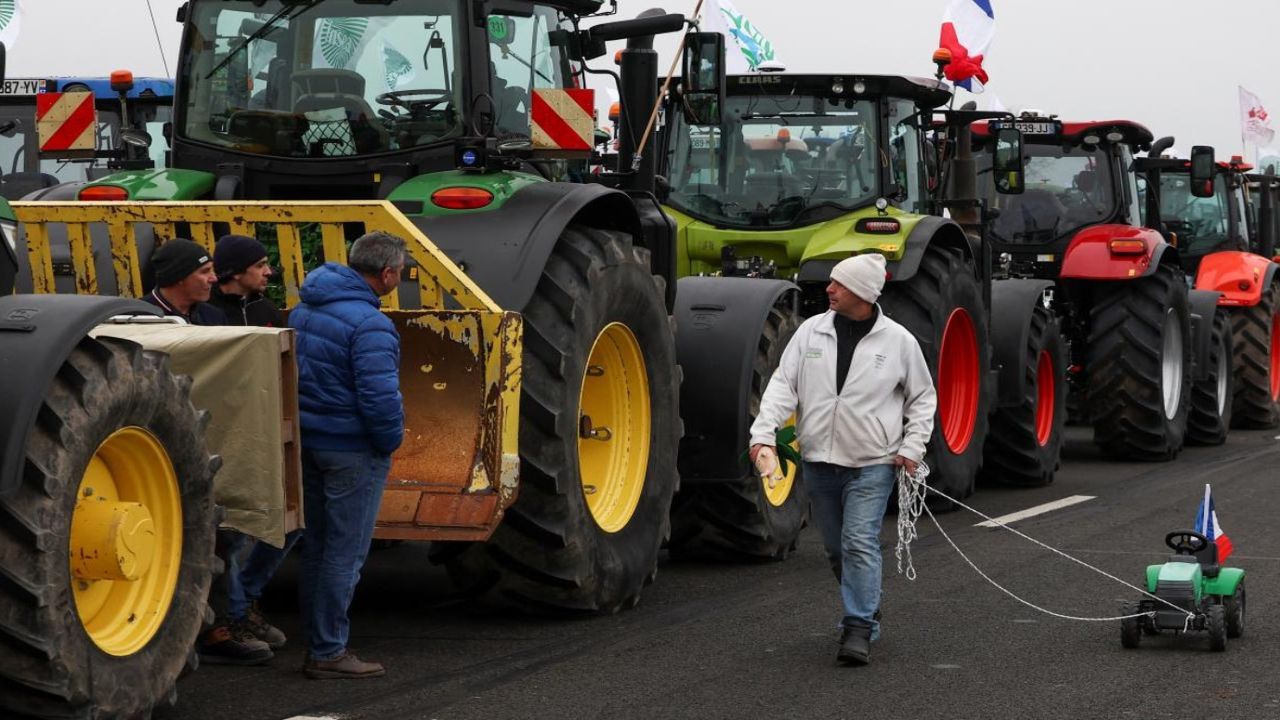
[236, 374]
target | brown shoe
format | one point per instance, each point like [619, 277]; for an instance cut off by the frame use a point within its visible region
[228, 645]
[346, 667]
[257, 626]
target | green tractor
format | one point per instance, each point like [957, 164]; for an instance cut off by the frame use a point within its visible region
[805, 170]
[466, 117]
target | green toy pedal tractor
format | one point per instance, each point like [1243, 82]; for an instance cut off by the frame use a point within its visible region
[1194, 582]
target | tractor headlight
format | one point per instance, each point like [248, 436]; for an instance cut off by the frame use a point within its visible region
[10, 232]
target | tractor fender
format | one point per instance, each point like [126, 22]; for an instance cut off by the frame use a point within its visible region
[929, 230]
[1225, 272]
[504, 250]
[1089, 256]
[718, 325]
[1225, 583]
[1013, 302]
[37, 333]
[1202, 304]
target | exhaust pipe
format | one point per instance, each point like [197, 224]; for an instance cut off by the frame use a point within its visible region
[1159, 146]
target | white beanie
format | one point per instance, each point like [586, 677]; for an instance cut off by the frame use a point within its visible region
[863, 275]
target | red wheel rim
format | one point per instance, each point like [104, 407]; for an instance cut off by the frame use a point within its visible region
[959, 384]
[1045, 398]
[1275, 357]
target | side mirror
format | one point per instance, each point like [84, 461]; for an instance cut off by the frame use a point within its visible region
[2, 54]
[1006, 165]
[703, 83]
[1202, 167]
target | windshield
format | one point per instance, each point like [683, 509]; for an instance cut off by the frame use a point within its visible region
[775, 159]
[1066, 190]
[310, 79]
[1202, 224]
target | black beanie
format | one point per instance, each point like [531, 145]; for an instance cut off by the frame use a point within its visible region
[234, 254]
[177, 259]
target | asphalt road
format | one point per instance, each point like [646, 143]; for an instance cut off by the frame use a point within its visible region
[757, 641]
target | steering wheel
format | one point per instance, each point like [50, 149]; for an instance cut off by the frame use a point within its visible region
[400, 98]
[1186, 542]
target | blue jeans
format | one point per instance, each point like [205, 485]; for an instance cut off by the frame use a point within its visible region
[342, 491]
[256, 571]
[848, 507]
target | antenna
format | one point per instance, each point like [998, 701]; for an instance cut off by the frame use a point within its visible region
[159, 46]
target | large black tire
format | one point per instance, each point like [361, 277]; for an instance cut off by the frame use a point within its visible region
[1257, 377]
[1211, 396]
[1025, 443]
[737, 519]
[49, 664]
[1125, 360]
[1235, 607]
[945, 287]
[550, 554]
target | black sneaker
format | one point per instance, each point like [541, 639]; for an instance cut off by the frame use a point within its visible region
[232, 645]
[256, 625]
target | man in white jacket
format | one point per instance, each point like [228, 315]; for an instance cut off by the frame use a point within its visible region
[864, 399]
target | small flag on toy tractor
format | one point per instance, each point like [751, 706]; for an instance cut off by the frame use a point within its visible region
[1207, 525]
[967, 29]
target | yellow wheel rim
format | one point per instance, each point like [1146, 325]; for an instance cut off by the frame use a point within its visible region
[778, 494]
[126, 541]
[614, 428]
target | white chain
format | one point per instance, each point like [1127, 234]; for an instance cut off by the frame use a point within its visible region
[912, 492]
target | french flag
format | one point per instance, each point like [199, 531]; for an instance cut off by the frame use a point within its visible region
[967, 29]
[1207, 525]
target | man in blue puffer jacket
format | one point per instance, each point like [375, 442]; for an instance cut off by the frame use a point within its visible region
[352, 420]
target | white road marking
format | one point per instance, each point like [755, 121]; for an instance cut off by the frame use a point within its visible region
[314, 717]
[1037, 510]
[945, 667]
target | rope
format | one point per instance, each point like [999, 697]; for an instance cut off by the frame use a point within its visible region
[912, 492]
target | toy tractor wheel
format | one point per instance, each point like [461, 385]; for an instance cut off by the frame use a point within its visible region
[108, 540]
[746, 519]
[1139, 365]
[599, 431]
[1257, 362]
[1211, 397]
[1130, 628]
[942, 307]
[1234, 606]
[1216, 624]
[1025, 443]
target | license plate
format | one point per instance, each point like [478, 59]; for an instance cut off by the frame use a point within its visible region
[704, 142]
[22, 87]
[1034, 128]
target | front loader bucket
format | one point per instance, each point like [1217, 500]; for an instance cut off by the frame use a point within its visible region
[460, 354]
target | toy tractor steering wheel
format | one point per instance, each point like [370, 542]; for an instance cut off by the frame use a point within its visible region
[400, 98]
[1186, 542]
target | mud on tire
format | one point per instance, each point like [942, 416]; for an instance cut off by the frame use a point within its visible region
[1211, 397]
[49, 664]
[1024, 446]
[737, 519]
[549, 554]
[945, 284]
[1257, 386]
[1134, 415]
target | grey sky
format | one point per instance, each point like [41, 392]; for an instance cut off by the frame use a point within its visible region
[1171, 64]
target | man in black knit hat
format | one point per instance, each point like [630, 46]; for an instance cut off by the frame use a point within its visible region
[243, 273]
[184, 281]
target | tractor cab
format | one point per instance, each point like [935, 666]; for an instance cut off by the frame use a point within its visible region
[1262, 198]
[1203, 221]
[799, 150]
[346, 99]
[1078, 175]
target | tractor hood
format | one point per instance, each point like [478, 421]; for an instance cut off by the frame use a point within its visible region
[700, 243]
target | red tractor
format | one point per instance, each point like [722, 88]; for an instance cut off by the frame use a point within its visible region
[1116, 286]
[1225, 231]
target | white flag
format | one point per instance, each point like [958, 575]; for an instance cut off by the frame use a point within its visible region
[1254, 120]
[722, 17]
[10, 22]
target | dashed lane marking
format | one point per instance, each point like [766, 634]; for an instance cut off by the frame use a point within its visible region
[1033, 511]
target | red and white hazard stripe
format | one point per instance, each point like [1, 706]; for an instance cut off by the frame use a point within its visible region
[561, 119]
[66, 121]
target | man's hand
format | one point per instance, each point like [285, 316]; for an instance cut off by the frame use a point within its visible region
[908, 463]
[755, 450]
